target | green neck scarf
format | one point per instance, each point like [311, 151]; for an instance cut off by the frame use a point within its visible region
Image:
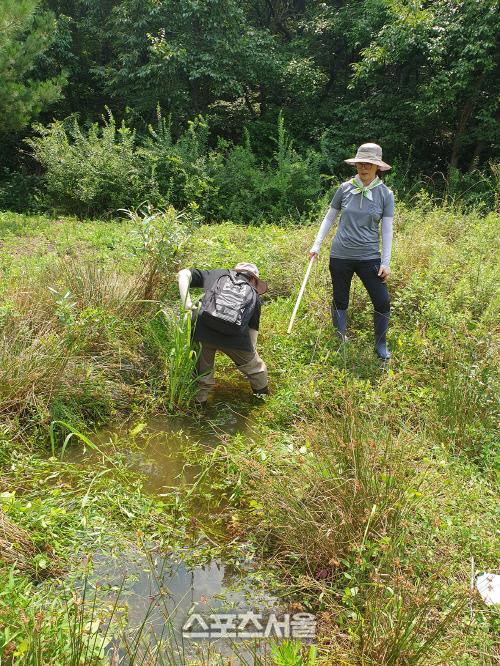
[365, 191]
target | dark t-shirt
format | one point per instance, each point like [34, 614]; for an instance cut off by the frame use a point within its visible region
[202, 333]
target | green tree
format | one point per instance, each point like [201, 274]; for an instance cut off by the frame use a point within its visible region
[26, 36]
[431, 70]
[417, 76]
[190, 57]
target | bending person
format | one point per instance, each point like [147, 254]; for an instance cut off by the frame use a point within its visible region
[227, 321]
[364, 204]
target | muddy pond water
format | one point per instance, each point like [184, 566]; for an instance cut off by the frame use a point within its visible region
[159, 592]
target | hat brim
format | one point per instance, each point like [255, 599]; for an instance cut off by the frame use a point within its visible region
[383, 166]
[261, 286]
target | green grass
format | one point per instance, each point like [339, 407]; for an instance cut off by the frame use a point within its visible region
[172, 331]
[364, 491]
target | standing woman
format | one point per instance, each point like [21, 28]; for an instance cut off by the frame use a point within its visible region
[363, 202]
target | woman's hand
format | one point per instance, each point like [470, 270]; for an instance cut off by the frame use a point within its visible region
[384, 272]
[313, 255]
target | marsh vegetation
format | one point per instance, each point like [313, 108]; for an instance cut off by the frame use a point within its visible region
[358, 492]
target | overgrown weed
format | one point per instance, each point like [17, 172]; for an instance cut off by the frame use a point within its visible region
[467, 400]
[402, 622]
[18, 549]
[330, 491]
[319, 502]
[73, 336]
[32, 367]
[180, 356]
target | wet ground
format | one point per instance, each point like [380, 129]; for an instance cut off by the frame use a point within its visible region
[159, 592]
[158, 449]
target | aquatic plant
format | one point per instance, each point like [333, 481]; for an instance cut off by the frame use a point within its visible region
[181, 359]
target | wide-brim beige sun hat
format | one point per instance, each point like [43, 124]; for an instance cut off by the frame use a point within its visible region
[251, 269]
[371, 153]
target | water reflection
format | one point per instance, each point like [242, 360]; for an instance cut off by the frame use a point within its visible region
[159, 592]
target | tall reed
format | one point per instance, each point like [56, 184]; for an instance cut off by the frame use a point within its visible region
[181, 359]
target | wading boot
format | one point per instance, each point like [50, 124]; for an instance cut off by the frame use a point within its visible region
[260, 393]
[339, 320]
[380, 326]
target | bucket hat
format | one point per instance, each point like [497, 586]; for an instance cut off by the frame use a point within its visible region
[251, 269]
[371, 153]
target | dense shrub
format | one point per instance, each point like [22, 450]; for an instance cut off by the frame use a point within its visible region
[106, 168]
[179, 171]
[285, 185]
[90, 173]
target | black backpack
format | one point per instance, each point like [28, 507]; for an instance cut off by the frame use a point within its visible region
[229, 305]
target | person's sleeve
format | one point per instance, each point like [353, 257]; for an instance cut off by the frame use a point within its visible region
[336, 202]
[255, 319]
[388, 205]
[325, 227]
[184, 281]
[198, 277]
[386, 241]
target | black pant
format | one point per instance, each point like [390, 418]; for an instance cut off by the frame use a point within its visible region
[342, 270]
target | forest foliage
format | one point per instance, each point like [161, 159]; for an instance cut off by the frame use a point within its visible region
[417, 77]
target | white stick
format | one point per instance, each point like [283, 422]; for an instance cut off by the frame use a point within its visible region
[472, 581]
[301, 293]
